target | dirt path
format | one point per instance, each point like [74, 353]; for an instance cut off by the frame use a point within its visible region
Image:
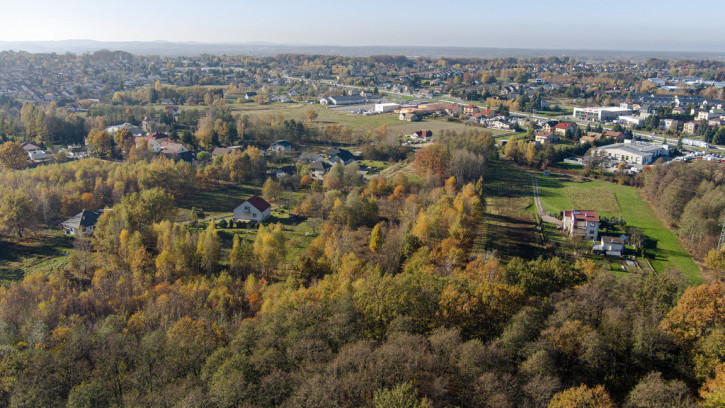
[507, 228]
[539, 208]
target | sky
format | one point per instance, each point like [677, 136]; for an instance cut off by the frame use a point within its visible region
[664, 25]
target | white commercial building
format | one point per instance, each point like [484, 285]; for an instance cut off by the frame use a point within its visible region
[634, 152]
[631, 120]
[601, 114]
[386, 107]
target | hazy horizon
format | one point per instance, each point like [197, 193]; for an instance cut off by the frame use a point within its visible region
[569, 25]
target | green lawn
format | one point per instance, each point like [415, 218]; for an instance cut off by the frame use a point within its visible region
[596, 195]
[43, 251]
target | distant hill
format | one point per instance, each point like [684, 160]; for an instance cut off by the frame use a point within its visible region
[166, 48]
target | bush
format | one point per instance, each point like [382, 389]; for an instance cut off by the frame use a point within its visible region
[222, 224]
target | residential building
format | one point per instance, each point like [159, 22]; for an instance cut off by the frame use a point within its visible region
[582, 223]
[254, 209]
[319, 168]
[470, 110]
[564, 128]
[422, 135]
[151, 143]
[409, 117]
[132, 128]
[335, 155]
[671, 124]
[689, 127]
[543, 137]
[549, 126]
[220, 151]
[82, 224]
[611, 246]
[281, 146]
[176, 151]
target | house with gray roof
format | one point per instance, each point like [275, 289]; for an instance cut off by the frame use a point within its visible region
[82, 224]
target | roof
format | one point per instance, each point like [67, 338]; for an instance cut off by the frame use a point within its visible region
[582, 215]
[346, 98]
[281, 143]
[343, 154]
[158, 135]
[563, 125]
[173, 148]
[319, 165]
[258, 203]
[220, 151]
[613, 240]
[83, 219]
[29, 146]
[638, 148]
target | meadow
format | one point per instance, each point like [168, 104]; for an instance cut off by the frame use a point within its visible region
[559, 195]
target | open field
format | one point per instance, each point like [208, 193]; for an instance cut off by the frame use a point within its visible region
[604, 200]
[43, 251]
[338, 115]
[508, 228]
[596, 195]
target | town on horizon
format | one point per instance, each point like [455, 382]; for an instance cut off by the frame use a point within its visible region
[263, 224]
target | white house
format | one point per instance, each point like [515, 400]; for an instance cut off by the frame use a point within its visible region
[612, 246]
[151, 143]
[409, 117]
[582, 223]
[281, 146]
[83, 223]
[254, 209]
[132, 128]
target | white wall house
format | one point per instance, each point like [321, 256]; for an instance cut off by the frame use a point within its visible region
[582, 223]
[254, 209]
[82, 224]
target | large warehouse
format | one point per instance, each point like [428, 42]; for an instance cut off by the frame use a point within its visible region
[601, 114]
[635, 152]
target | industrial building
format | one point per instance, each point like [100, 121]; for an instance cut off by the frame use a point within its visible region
[386, 107]
[634, 152]
[601, 114]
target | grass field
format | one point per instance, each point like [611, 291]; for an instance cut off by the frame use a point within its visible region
[43, 251]
[604, 200]
[327, 116]
[508, 228]
[597, 195]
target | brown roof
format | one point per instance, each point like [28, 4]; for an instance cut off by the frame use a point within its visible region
[171, 147]
[258, 203]
[583, 215]
[220, 151]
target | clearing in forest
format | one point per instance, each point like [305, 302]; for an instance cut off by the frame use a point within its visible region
[508, 227]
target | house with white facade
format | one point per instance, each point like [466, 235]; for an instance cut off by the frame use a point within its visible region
[254, 209]
[281, 146]
[611, 246]
[582, 223]
[82, 224]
